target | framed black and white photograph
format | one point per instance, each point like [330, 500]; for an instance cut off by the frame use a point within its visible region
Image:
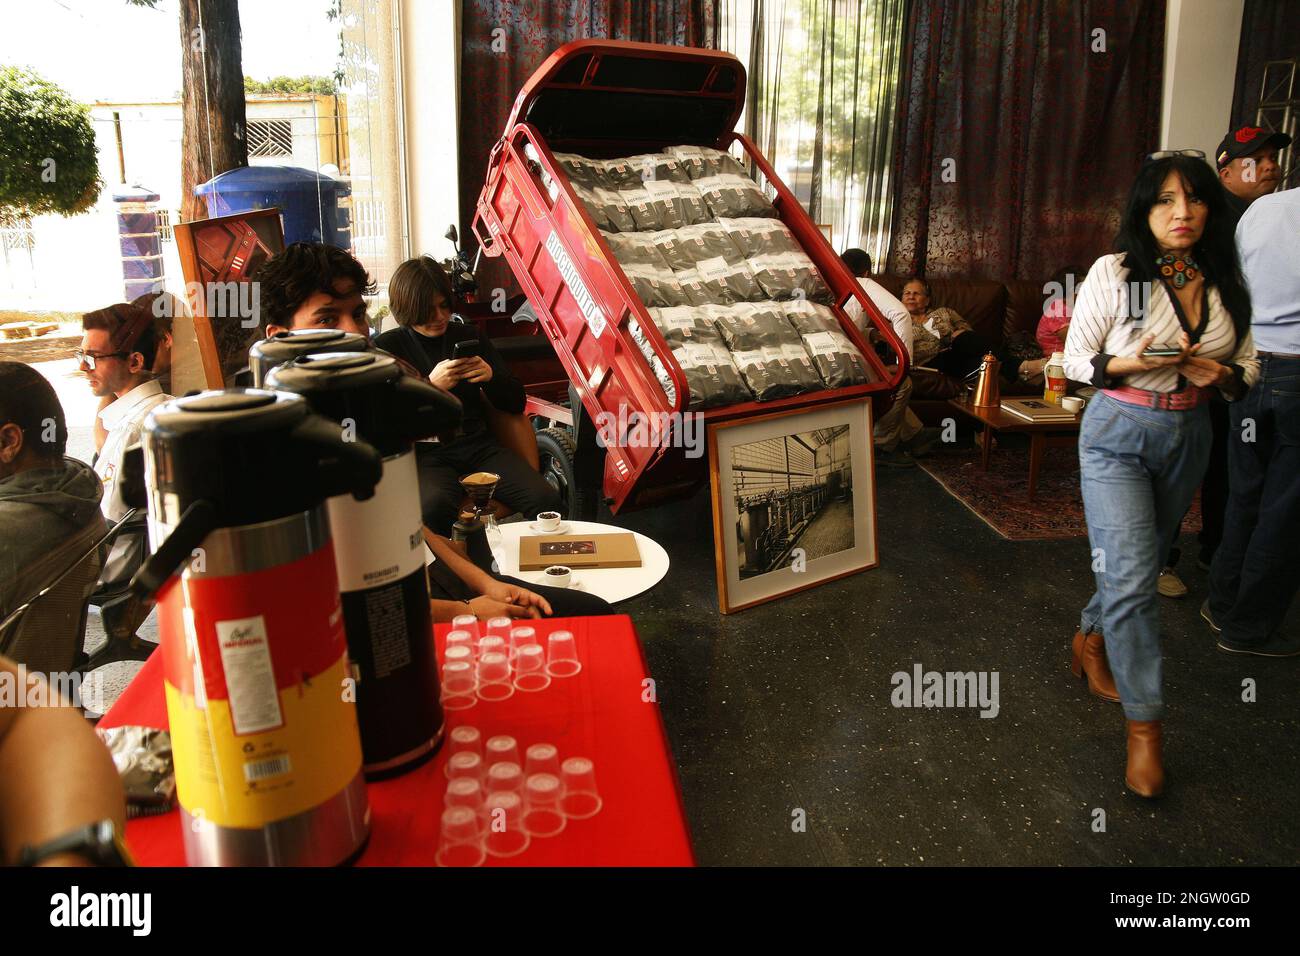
[793, 501]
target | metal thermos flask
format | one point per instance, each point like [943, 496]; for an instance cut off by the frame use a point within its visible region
[379, 548]
[265, 742]
[283, 346]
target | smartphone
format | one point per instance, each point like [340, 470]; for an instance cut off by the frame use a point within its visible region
[1162, 351]
[467, 348]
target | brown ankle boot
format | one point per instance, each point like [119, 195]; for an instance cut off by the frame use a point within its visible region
[1145, 774]
[1089, 658]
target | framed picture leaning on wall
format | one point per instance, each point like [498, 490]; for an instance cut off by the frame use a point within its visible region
[794, 501]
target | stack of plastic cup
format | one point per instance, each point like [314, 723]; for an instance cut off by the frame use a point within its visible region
[494, 806]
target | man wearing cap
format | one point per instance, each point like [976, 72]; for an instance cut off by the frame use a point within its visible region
[117, 351]
[1247, 163]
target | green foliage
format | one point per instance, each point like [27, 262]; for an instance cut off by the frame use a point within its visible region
[48, 158]
[322, 85]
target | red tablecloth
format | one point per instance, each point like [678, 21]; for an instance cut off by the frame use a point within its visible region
[600, 714]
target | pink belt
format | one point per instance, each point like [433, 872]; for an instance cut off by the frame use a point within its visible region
[1189, 397]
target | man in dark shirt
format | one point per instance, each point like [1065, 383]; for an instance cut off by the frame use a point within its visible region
[1247, 164]
[420, 296]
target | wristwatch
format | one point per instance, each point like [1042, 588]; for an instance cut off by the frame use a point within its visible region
[99, 843]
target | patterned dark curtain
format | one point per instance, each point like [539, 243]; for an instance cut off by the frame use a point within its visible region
[1021, 128]
[1270, 31]
[504, 41]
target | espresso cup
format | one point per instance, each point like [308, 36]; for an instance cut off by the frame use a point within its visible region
[1071, 404]
[557, 576]
[548, 520]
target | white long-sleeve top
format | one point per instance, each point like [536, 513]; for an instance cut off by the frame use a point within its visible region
[888, 304]
[1101, 327]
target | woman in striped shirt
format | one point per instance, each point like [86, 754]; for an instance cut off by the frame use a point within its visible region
[1156, 326]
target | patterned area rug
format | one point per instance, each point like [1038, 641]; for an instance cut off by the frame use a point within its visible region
[1000, 496]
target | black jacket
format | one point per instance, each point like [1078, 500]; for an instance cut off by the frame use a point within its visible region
[504, 391]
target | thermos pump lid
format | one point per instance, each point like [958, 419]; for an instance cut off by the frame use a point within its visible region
[283, 346]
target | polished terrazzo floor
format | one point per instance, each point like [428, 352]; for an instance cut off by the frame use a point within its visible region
[787, 707]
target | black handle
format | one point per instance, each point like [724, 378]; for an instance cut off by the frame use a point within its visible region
[344, 466]
[428, 410]
[199, 520]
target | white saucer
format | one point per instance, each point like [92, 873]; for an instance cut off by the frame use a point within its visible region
[536, 528]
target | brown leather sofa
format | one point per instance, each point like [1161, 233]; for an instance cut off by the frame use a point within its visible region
[994, 310]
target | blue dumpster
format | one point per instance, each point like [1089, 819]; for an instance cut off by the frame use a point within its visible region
[308, 201]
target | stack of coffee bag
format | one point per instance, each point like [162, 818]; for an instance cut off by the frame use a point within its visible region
[740, 303]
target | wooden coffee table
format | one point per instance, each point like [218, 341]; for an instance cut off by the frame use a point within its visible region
[1042, 435]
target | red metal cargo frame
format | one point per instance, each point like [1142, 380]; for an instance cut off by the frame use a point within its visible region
[584, 301]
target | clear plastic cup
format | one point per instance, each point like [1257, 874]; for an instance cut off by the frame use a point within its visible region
[465, 737]
[465, 622]
[465, 792]
[458, 686]
[542, 814]
[542, 758]
[530, 669]
[494, 677]
[580, 799]
[459, 638]
[504, 816]
[562, 654]
[498, 627]
[493, 644]
[501, 749]
[505, 776]
[522, 636]
[458, 652]
[461, 842]
[465, 764]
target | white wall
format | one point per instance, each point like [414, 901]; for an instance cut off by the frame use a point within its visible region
[1201, 40]
[430, 31]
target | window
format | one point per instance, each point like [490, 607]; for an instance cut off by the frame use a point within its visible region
[165, 224]
[270, 138]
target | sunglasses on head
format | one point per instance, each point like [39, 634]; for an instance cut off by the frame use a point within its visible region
[90, 358]
[1171, 153]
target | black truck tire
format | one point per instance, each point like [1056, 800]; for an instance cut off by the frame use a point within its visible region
[556, 451]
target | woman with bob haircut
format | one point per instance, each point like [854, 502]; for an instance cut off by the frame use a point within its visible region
[421, 300]
[1157, 325]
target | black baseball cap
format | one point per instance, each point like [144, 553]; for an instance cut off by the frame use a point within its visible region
[1246, 140]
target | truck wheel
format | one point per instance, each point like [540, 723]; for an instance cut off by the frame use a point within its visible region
[555, 451]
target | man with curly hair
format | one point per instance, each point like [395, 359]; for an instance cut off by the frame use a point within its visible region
[312, 285]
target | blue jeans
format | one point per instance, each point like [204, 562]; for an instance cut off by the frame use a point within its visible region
[1256, 571]
[1139, 468]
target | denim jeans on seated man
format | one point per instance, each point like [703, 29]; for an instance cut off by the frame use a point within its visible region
[1139, 468]
[1256, 571]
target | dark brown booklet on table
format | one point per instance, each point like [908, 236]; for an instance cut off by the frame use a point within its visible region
[540, 551]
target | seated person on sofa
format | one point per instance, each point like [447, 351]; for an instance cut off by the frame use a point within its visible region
[899, 436]
[45, 498]
[941, 338]
[420, 297]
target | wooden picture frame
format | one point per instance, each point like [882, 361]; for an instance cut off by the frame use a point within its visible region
[806, 519]
[215, 253]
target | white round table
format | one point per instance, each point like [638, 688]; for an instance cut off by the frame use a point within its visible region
[612, 584]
